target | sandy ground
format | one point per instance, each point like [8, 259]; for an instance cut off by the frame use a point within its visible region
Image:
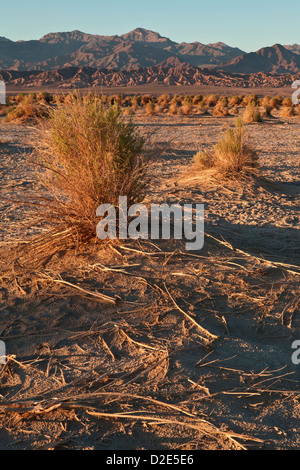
[194, 351]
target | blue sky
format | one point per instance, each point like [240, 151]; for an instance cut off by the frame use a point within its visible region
[248, 25]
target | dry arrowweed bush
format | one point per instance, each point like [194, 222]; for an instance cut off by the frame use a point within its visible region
[90, 157]
[220, 110]
[210, 100]
[164, 100]
[250, 99]
[287, 111]
[287, 102]
[267, 109]
[231, 156]
[173, 108]
[252, 113]
[150, 108]
[234, 110]
[197, 99]
[186, 108]
[234, 101]
[145, 99]
[202, 107]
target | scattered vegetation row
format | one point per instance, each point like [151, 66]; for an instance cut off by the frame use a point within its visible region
[29, 107]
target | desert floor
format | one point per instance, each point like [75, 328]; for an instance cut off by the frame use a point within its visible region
[190, 350]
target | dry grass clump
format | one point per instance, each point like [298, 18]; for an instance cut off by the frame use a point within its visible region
[203, 160]
[231, 156]
[252, 113]
[91, 157]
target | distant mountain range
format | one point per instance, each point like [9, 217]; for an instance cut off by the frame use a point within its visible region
[138, 49]
[89, 77]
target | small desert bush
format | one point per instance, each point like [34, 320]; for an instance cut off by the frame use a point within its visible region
[59, 98]
[202, 106]
[203, 160]
[233, 153]
[44, 96]
[116, 99]
[273, 101]
[297, 110]
[90, 157]
[187, 106]
[265, 101]
[150, 108]
[250, 99]
[220, 110]
[223, 101]
[234, 101]
[287, 111]
[173, 108]
[135, 102]
[267, 109]
[145, 99]
[276, 100]
[252, 113]
[210, 100]
[27, 110]
[287, 102]
[234, 110]
[164, 100]
[197, 99]
[231, 156]
[19, 97]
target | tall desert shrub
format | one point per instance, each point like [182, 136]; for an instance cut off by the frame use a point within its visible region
[91, 157]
